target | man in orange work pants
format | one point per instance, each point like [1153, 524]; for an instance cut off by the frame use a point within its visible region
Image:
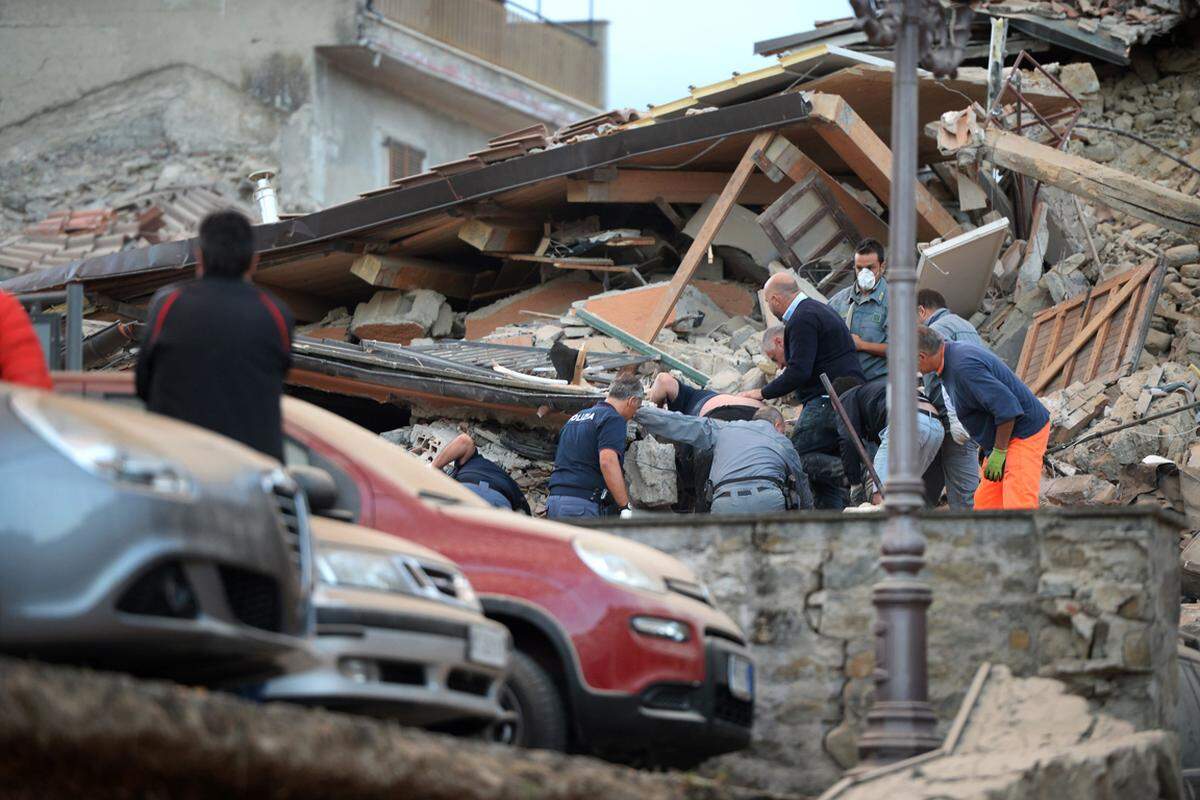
[999, 411]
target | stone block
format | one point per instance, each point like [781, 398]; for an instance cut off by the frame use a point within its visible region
[547, 335]
[393, 316]
[1078, 490]
[725, 381]
[753, 378]
[1181, 254]
[650, 469]
[1079, 79]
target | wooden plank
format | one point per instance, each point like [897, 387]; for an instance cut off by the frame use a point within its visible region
[788, 159]
[562, 260]
[646, 186]
[1100, 183]
[871, 160]
[641, 346]
[1089, 331]
[496, 237]
[1031, 338]
[699, 247]
[670, 213]
[407, 273]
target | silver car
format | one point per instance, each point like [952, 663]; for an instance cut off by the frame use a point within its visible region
[136, 542]
[399, 634]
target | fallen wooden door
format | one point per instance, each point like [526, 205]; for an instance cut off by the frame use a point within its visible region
[1093, 335]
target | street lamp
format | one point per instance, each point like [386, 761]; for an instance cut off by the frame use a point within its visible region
[901, 722]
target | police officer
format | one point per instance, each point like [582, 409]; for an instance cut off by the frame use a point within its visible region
[864, 307]
[755, 468]
[588, 479]
[481, 475]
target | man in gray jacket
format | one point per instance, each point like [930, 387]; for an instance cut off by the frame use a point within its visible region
[755, 468]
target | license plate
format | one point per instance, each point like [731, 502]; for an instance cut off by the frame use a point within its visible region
[488, 646]
[741, 677]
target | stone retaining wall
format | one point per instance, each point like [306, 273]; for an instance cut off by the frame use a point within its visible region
[1088, 596]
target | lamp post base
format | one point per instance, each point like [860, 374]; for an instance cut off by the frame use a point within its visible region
[896, 730]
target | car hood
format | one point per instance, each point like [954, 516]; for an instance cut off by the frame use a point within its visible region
[652, 561]
[206, 455]
[333, 532]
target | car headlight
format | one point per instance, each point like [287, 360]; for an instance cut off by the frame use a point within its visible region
[95, 450]
[616, 568]
[361, 569]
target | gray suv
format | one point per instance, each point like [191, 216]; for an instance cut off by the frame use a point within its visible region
[135, 542]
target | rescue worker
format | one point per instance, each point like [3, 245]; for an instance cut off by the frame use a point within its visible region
[21, 358]
[864, 307]
[867, 409]
[678, 396]
[693, 466]
[481, 475]
[755, 468]
[1001, 414]
[215, 350]
[814, 340]
[957, 469]
[588, 479]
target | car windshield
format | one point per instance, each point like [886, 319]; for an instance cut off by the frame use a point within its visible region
[406, 470]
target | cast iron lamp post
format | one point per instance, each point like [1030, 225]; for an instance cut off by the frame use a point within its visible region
[901, 722]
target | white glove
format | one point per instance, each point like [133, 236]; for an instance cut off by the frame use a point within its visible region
[957, 432]
[626, 513]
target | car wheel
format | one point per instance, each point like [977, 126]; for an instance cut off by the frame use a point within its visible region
[534, 714]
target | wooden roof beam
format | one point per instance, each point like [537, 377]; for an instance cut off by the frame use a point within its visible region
[672, 186]
[871, 160]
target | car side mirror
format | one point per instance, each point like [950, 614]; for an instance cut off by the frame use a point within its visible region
[318, 485]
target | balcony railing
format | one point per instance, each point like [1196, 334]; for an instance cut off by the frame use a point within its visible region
[542, 51]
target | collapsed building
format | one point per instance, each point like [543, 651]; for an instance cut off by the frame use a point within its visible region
[1063, 226]
[641, 238]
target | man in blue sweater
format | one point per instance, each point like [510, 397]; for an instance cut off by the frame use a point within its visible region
[815, 340]
[1000, 413]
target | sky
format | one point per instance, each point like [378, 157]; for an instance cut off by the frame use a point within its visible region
[656, 48]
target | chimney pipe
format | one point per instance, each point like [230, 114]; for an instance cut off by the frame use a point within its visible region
[264, 195]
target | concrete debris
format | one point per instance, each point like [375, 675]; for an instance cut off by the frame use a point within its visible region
[1027, 737]
[1078, 490]
[650, 468]
[530, 470]
[402, 316]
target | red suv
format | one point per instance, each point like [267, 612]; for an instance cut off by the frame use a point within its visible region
[619, 651]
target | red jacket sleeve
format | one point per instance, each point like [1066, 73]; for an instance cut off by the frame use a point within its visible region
[21, 357]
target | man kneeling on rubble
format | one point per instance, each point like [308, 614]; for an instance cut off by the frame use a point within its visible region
[755, 468]
[1007, 421]
[588, 479]
[481, 475]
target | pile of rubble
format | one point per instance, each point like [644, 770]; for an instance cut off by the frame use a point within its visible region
[506, 289]
[66, 236]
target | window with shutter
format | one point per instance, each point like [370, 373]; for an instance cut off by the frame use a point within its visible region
[403, 159]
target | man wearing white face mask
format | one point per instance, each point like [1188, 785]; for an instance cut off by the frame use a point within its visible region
[864, 307]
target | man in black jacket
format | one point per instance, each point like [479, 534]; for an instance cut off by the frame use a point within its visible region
[867, 409]
[215, 350]
[815, 340]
